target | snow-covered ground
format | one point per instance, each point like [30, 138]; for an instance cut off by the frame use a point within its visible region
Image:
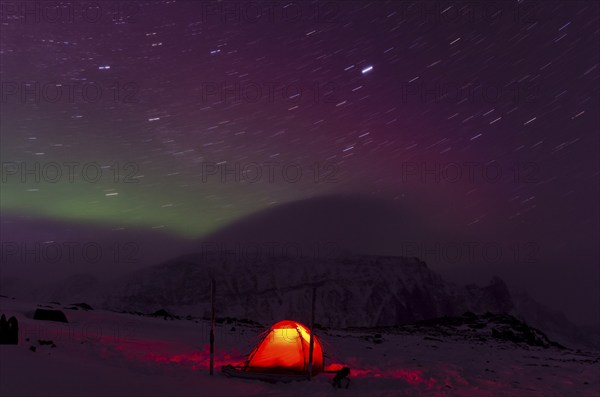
[102, 353]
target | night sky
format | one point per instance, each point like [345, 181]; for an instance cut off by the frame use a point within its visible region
[384, 99]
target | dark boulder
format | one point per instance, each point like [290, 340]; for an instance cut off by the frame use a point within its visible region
[164, 314]
[50, 315]
[47, 342]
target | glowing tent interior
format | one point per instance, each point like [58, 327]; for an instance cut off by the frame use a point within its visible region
[282, 354]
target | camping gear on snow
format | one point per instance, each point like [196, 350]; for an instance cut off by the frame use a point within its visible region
[9, 331]
[282, 355]
[340, 375]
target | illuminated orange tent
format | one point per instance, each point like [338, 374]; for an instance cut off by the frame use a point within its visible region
[285, 349]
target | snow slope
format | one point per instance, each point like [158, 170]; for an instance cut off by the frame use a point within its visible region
[103, 353]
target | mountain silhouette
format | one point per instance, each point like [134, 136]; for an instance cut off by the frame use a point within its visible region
[337, 224]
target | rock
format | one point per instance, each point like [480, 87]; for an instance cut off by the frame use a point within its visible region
[83, 306]
[163, 313]
[50, 315]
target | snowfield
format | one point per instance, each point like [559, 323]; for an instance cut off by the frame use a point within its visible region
[103, 353]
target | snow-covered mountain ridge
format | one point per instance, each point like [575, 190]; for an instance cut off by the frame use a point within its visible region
[351, 291]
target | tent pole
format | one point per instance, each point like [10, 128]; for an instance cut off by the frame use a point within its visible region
[212, 327]
[312, 332]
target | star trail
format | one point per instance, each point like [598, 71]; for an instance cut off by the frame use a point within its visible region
[189, 115]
